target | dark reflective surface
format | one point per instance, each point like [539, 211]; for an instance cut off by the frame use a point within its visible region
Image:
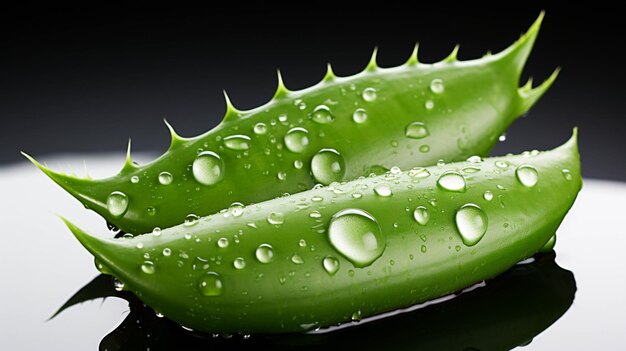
[508, 311]
[42, 266]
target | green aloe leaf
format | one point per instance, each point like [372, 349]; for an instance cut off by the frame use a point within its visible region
[349, 250]
[339, 129]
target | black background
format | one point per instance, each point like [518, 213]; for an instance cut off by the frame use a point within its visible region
[85, 80]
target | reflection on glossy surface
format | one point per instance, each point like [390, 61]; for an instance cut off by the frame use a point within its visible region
[510, 310]
[42, 264]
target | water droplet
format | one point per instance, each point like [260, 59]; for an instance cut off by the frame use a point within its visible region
[134, 179]
[260, 128]
[297, 259]
[471, 222]
[357, 195]
[356, 316]
[475, 159]
[165, 178]
[191, 220]
[356, 235]
[452, 181]
[167, 251]
[156, 231]
[328, 166]
[383, 190]
[282, 118]
[117, 204]
[315, 214]
[321, 114]
[208, 168]
[441, 163]
[429, 104]
[527, 175]
[118, 285]
[423, 249]
[424, 148]
[567, 174]
[502, 164]
[297, 139]
[236, 209]
[222, 242]
[331, 265]
[210, 284]
[416, 130]
[419, 172]
[238, 142]
[281, 175]
[421, 215]
[317, 198]
[359, 116]
[148, 267]
[369, 94]
[471, 170]
[502, 137]
[275, 218]
[302, 243]
[140, 245]
[488, 195]
[264, 253]
[151, 211]
[239, 263]
[297, 164]
[436, 86]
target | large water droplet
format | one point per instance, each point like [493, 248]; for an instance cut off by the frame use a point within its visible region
[471, 222]
[238, 142]
[437, 86]
[208, 168]
[222, 242]
[297, 139]
[331, 265]
[527, 175]
[117, 204]
[191, 220]
[239, 263]
[356, 235]
[383, 190]
[321, 114]
[260, 128]
[416, 130]
[165, 178]
[210, 284]
[452, 181]
[328, 166]
[369, 94]
[275, 218]
[488, 195]
[421, 215]
[359, 116]
[264, 253]
[148, 267]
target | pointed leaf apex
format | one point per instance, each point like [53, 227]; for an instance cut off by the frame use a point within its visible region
[372, 65]
[128, 164]
[281, 89]
[516, 55]
[330, 75]
[175, 138]
[231, 110]
[487, 54]
[413, 59]
[529, 95]
[453, 55]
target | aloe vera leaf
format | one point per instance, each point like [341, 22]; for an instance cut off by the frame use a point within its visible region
[350, 250]
[339, 129]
